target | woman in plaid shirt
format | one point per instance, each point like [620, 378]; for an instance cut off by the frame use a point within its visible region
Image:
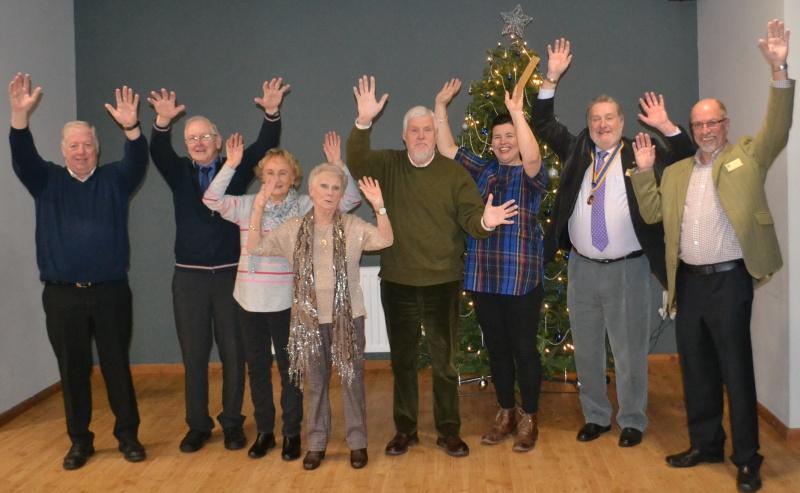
[504, 271]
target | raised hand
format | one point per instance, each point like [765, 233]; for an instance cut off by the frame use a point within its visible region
[514, 101]
[776, 47]
[559, 57]
[448, 92]
[494, 216]
[644, 151]
[264, 193]
[654, 113]
[234, 149]
[22, 99]
[126, 112]
[165, 105]
[332, 147]
[274, 90]
[372, 191]
[368, 106]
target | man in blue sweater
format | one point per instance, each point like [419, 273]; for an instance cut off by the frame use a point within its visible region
[82, 254]
[206, 256]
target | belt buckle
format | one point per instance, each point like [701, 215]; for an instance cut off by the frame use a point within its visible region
[83, 284]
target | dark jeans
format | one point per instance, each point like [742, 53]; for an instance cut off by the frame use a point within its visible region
[510, 324]
[407, 310]
[73, 316]
[260, 331]
[713, 334]
[198, 297]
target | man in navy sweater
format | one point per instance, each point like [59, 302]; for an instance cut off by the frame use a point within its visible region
[206, 256]
[82, 254]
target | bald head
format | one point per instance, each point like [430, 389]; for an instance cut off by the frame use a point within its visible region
[709, 120]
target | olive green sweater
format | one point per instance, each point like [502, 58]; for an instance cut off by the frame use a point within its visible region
[430, 208]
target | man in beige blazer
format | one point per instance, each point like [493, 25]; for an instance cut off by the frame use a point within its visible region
[719, 237]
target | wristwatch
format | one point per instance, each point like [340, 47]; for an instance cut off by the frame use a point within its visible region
[381, 211]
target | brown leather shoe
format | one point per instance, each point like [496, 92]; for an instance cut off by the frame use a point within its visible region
[313, 459]
[454, 446]
[400, 443]
[358, 458]
[527, 432]
[504, 423]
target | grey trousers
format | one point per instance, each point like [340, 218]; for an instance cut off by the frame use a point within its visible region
[318, 405]
[621, 300]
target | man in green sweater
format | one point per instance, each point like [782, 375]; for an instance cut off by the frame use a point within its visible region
[432, 201]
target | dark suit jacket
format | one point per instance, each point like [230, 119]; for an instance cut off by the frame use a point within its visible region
[576, 155]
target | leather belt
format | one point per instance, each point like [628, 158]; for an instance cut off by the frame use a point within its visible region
[85, 284]
[711, 268]
[637, 253]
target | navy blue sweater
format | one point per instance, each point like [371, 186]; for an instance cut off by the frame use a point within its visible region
[202, 237]
[81, 227]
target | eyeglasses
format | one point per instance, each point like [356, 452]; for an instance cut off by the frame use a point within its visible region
[192, 139]
[711, 124]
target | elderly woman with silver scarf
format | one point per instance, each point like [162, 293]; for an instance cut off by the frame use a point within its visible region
[327, 316]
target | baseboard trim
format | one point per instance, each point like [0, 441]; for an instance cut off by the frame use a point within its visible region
[23, 406]
[791, 435]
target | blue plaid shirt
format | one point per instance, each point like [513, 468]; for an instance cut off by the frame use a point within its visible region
[509, 261]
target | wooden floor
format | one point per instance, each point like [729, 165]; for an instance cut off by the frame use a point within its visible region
[33, 444]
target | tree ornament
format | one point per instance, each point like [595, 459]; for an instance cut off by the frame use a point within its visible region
[515, 22]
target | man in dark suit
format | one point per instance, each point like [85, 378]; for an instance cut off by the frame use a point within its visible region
[719, 239]
[612, 251]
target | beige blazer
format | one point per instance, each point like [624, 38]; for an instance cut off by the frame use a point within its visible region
[739, 172]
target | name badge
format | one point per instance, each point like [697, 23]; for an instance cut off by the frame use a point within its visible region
[736, 163]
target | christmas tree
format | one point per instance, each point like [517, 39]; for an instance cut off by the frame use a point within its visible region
[505, 65]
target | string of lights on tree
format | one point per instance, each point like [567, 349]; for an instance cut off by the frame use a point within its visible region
[504, 65]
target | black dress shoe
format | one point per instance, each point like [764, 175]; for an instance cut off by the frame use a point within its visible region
[313, 459]
[234, 438]
[291, 448]
[264, 442]
[194, 441]
[630, 437]
[358, 458]
[591, 431]
[454, 446]
[132, 450]
[694, 456]
[400, 443]
[77, 456]
[748, 478]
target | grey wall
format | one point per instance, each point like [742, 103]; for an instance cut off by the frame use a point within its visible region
[27, 364]
[216, 54]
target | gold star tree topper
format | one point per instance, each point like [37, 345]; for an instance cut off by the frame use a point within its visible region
[515, 22]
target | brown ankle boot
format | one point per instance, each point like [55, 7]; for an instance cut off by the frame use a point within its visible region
[504, 423]
[527, 432]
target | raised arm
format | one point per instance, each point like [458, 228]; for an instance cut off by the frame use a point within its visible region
[528, 147]
[775, 49]
[360, 157]
[559, 58]
[372, 191]
[444, 136]
[23, 100]
[366, 103]
[644, 182]
[230, 207]
[654, 114]
[126, 112]
[332, 147]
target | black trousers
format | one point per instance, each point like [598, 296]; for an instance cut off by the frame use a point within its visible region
[713, 334]
[73, 316]
[407, 310]
[509, 325]
[260, 332]
[200, 297]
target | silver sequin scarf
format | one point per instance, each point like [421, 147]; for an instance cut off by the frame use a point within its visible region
[305, 343]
